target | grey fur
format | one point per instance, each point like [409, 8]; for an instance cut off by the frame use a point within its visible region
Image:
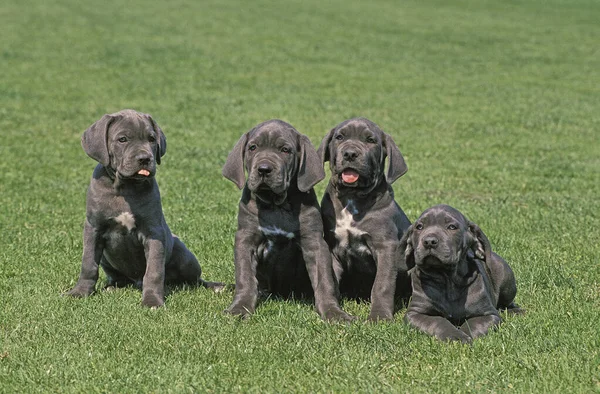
[279, 245]
[457, 280]
[125, 231]
[363, 224]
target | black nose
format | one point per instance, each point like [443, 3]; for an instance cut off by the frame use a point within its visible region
[350, 154]
[264, 169]
[430, 242]
[144, 159]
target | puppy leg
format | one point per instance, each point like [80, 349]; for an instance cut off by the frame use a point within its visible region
[480, 325]
[92, 253]
[436, 326]
[246, 283]
[153, 287]
[384, 286]
[320, 270]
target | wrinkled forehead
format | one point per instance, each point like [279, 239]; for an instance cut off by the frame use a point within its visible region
[359, 127]
[441, 215]
[274, 134]
[131, 122]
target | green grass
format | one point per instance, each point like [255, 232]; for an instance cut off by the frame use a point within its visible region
[493, 103]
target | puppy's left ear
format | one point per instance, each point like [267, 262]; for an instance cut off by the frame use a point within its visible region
[396, 165]
[161, 146]
[480, 244]
[406, 250]
[234, 166]
[310, 169]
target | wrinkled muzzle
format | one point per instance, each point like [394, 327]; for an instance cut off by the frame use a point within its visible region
[266, 174]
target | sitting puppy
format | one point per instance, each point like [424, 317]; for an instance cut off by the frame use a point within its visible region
[125, 231]
[279, 245]
[457, 281]
[363, 224]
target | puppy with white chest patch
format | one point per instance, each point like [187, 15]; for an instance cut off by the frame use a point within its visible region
[125, 231]
[458, 283]
[279, 245]
[363, 224]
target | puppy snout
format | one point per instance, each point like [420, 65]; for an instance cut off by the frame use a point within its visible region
[430, 242]
[144, 159]
[264, 169]
[350, 154]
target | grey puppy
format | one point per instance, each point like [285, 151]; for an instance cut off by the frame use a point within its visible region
[125, 231]
[279, 245]
[363, 224]
[458, 283]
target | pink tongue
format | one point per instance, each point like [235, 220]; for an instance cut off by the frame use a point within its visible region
[144, 172]
[349, 176]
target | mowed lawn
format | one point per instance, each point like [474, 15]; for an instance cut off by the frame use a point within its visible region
[494, 104]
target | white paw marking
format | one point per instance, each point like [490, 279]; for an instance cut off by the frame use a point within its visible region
[127, 220]
[273, 231]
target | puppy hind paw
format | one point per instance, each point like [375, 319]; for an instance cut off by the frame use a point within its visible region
[217, 287]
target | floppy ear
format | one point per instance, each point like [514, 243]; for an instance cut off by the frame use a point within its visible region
[480, 244]
[396, 165]
[323, 151]
[406, 250]
[95, 140]
[234, 166]
[161, 146]
[310, 169]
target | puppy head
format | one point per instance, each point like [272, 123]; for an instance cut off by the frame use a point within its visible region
[356, 150]
[441, 238]
[275, 156]
[128, 142]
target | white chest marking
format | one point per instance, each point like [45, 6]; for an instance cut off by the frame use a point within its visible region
[273, 231]
[126, 220]
[344, 226]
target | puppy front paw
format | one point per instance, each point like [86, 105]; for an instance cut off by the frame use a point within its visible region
[79, 292]
[152, 299]
[240, 310]
[378, 315]
[336, 314]
[456, 336]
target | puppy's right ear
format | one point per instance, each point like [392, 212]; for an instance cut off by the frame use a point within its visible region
[323, 151]
[234, 166]
[406, 250]
[95, 140]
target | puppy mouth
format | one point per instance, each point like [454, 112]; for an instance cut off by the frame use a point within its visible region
[431, 259]
[349, 177]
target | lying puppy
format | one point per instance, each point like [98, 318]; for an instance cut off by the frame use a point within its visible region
[457, 281]
[125, 231]
[279, 245]
[363, 224]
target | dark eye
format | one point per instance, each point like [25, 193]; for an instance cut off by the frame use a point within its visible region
[452, 227]
[339, 137]
[252, 148]
[285, 149]
[151, 139]
[371, 140]
[419, 226]
[123, 139]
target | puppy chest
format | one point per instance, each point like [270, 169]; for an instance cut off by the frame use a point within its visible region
[122, 229]
[276, 240]
[350, 238]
